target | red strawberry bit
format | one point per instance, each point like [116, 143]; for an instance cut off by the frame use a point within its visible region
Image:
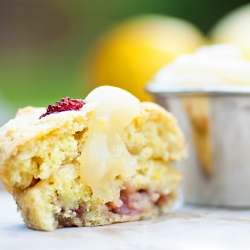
[136, 202]
[125, 208]
[163, 199]
[66, 104]
[79, 211]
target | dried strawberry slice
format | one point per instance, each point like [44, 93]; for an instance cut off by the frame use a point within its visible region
[66, 104]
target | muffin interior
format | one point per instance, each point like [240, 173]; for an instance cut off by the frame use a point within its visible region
[42, 172]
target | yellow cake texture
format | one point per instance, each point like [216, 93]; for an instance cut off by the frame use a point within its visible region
[56, 182]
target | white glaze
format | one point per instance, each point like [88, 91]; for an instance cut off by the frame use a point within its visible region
[208, 66]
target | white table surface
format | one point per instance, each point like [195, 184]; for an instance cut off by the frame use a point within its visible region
[188, 227]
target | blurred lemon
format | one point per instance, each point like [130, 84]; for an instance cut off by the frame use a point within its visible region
[234, 28]
[129, 55]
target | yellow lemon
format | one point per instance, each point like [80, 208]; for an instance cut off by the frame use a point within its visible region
[130, 54]
[234, 28]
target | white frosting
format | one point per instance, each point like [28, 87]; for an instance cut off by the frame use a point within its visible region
[208, 66]
[105, 158]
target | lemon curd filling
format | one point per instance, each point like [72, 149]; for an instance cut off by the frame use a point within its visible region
[105, 158]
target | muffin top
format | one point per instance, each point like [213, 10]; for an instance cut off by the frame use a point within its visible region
[216, 65]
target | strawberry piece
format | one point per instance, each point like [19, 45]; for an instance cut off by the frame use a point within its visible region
[66, 104]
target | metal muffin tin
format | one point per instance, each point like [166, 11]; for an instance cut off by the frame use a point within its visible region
[224, 142]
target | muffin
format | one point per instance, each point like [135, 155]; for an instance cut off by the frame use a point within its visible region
[209, 67]
[208, 92]
[103, 160]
